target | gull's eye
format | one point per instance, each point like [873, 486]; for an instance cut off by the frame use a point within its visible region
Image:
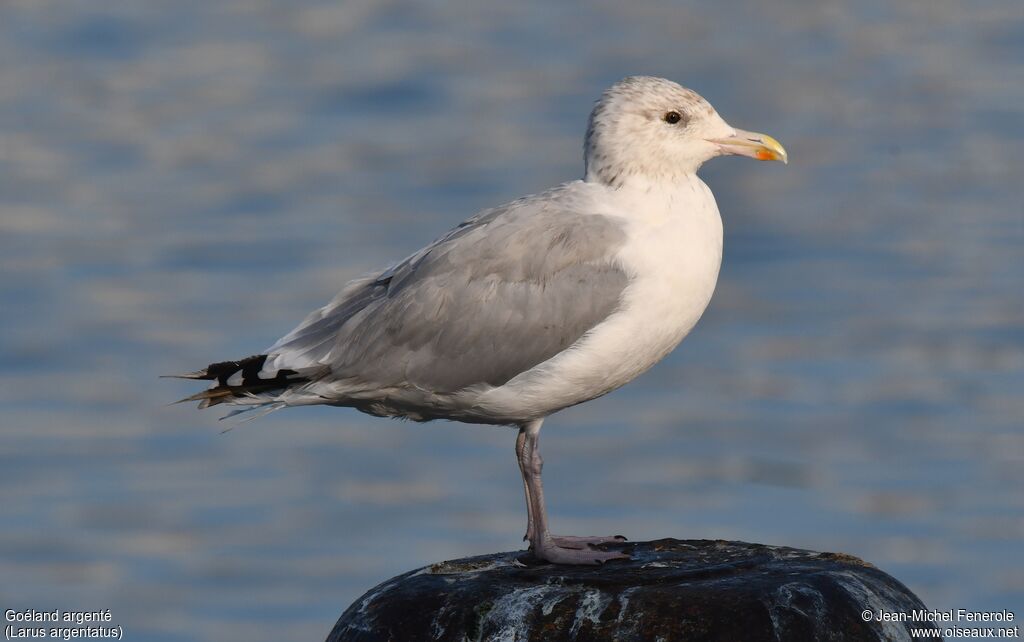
[673, 117]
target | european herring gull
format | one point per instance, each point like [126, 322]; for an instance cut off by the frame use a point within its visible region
[530, 307]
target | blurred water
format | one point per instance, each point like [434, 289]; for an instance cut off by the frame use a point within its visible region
[181, 181]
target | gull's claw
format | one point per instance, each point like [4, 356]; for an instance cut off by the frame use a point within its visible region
[555, 554]
[570, 541]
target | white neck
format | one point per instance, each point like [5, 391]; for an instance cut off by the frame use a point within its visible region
[644, 182]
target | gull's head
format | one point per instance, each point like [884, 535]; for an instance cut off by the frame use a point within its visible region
[655, 130]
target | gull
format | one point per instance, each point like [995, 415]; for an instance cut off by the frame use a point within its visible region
[531, 307]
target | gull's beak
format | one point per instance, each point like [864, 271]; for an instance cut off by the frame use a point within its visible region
[752, 144]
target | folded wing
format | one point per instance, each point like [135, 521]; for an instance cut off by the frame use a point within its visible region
[499, 294]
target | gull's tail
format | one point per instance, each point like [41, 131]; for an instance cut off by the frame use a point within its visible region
[245, 381]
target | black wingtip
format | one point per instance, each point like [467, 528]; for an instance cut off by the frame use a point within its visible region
[198, 374]
[222, 372]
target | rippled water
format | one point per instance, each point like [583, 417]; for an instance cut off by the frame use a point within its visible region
[181, 181]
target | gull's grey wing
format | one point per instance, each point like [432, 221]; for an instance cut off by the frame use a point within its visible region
[499, 294]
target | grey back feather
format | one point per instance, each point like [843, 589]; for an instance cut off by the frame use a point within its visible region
[499, 294]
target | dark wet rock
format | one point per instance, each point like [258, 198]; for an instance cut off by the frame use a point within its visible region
[671, 590]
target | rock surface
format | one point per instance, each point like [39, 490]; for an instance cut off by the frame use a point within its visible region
[670, 590]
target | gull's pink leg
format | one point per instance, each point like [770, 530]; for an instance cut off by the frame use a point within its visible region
[566, 541]
[520, 444]
[558, 550]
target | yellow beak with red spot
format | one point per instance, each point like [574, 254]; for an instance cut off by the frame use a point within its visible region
[752, 145]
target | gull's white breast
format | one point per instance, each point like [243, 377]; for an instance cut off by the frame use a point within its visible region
[672, 254]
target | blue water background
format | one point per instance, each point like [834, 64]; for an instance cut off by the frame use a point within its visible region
[180, 182]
